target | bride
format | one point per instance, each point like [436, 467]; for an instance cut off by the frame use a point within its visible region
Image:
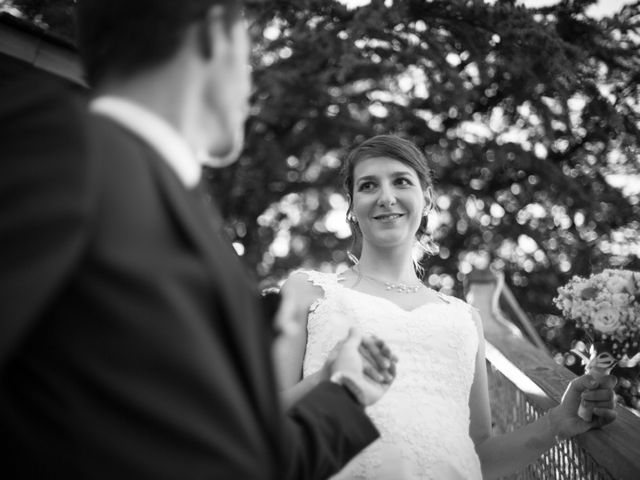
[435, 421]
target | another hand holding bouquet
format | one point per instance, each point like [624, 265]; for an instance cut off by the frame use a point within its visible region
[606, 306]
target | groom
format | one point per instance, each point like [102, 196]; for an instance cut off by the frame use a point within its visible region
[131, 343]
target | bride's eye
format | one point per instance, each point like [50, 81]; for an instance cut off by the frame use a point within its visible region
[365, 186]
[403, 181]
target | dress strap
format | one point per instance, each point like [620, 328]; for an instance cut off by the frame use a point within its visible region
[326, 281]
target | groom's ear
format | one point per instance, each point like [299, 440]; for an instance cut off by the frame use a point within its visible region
[209, 28]
[205, 39]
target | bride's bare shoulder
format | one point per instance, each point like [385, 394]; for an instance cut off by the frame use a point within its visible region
[301, 286]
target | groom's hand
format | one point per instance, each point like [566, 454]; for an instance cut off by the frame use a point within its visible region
[348, 368]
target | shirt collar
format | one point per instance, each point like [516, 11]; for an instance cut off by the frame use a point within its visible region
[156, 131]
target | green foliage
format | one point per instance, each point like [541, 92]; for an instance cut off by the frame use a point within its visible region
[524, 114]
[54, 16]
[529, 116]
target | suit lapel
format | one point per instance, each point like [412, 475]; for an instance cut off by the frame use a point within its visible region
[204, 227]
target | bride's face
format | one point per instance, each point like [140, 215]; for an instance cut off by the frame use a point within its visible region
[387, 201]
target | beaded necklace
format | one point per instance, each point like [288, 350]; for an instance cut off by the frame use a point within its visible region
[389, 286]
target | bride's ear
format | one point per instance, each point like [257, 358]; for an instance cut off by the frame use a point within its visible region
[428, 200]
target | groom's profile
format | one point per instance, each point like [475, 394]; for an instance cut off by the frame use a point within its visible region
[131, 343]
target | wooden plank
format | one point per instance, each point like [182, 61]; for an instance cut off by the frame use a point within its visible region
[522, 318]
[538, 397]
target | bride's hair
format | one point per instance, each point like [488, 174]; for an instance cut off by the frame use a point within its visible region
[404, 151]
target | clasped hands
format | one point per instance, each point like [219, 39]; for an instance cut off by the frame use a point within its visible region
[365, 363]
[362, 363]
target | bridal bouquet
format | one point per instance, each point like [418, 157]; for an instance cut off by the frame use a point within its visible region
[606, 307]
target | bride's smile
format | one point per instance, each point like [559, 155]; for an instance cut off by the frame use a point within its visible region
[388, 217]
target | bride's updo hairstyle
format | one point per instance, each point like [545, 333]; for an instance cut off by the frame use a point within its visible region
[399, 149]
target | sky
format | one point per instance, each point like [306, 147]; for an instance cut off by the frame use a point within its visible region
[600, 9]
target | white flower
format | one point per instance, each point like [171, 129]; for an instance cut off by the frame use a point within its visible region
[619, 300]
[617, 284]
[606, 320]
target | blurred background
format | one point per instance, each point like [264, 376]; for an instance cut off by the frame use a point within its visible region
[529, 112]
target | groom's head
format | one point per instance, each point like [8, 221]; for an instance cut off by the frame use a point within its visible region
[119, 38]
[177, 46]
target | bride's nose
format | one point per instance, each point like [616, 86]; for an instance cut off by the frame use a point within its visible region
[387, 196]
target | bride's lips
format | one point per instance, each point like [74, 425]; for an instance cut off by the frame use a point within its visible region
[388, 217]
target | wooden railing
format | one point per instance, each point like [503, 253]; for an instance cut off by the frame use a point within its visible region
[525, 382]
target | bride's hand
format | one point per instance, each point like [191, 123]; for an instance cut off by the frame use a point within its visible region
[596, 395]
[380, 361]
[347, 367]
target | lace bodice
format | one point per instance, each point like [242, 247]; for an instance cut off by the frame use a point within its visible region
[424, 417]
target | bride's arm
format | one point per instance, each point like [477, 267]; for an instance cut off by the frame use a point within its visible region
[511, 452]
[504, 454]
[297, 296]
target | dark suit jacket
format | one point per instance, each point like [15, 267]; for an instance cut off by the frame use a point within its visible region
[131, 342]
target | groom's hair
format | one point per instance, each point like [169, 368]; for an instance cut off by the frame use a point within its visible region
[124, 37]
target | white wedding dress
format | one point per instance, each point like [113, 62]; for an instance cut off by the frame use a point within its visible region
[423, 418]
